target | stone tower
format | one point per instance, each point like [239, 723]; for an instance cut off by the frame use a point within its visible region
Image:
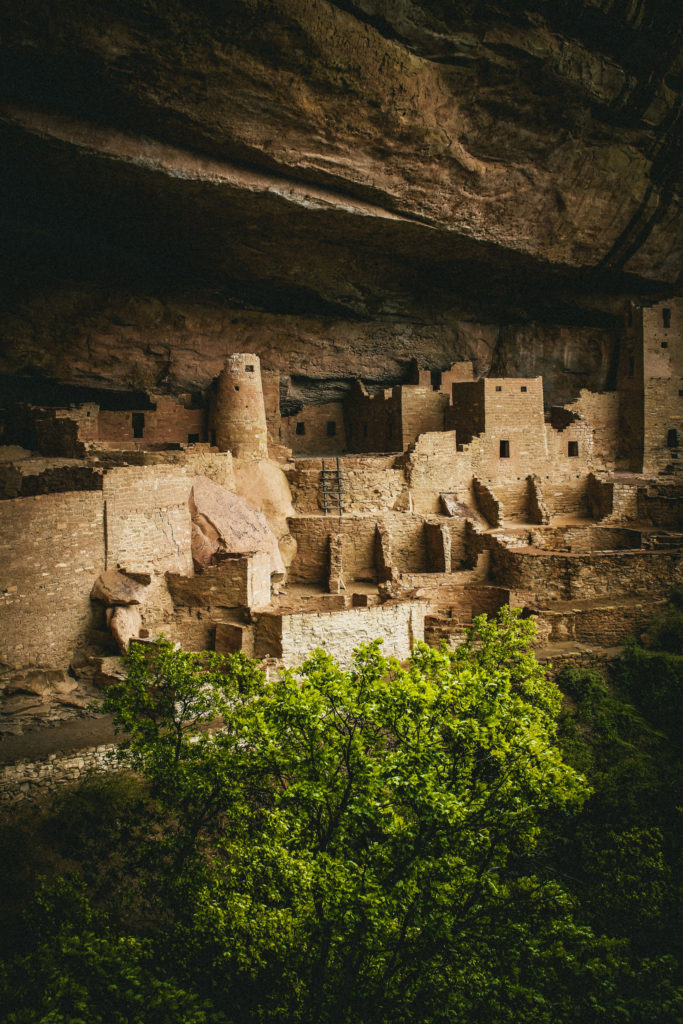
[650, 385]
[240, 416]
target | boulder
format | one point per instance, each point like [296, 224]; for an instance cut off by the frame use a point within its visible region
[227, 524]
[124, 622]
[115, 587]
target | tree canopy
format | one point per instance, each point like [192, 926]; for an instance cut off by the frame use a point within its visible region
[353, 846]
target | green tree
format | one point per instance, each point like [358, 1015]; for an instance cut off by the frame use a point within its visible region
[342, 847]
[354, 846]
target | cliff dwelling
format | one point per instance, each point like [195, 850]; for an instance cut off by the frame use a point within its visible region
[276, 377]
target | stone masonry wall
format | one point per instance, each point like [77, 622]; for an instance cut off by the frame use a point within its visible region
[406, 532]
[369, 484]
[315, 430]
[148, 519]
[600, 411]
[340, 632]
[240, 581]
[169, 423]
[593, 575]
[663, 382]
[31, 780]
[422, 411]
[51, 550]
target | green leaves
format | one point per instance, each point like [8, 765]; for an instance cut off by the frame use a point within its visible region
[341, 839]
[355, 846]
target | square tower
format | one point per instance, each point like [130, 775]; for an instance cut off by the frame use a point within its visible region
[650, 385]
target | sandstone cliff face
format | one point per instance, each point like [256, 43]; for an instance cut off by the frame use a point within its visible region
[337, 187]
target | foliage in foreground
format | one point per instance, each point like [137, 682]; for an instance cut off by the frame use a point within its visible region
[350, 846]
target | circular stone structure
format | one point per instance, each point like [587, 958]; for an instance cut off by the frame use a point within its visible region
[240, 409]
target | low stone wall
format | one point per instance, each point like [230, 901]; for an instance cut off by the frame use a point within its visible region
[586, 538]
[31, 780]
[605, 624]
[293, 636]
[586, 576]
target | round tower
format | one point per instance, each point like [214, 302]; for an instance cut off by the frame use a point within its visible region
[240, 410]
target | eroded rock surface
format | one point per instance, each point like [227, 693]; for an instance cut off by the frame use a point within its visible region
[337, 187]
[124, 622]
[116, 587]
[226, 523]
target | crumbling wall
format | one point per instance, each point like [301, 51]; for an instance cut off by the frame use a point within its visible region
[600, 413]
[148, 519]
[51, 549]
[538, 510]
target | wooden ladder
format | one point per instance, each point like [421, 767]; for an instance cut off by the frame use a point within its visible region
[332, 489]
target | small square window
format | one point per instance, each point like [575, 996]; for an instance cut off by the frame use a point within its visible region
[665, 344]
[523, 387]
[505, 449]
[301, 427]
[666, 317]
[249, 369]
[573, 449]
[499, 387]
[237, 387]
[331, 428]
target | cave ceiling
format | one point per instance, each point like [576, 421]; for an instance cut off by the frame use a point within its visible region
[336, 186]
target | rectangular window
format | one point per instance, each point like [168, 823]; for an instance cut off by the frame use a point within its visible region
[523, 387]
[249, 369]
[499, 387]
[138, 423]
[631, 366]
[331, 428]
[665, 344]
[505, 449]
[672, 438]
[666, 317]
[573, 449]
[301, 427]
